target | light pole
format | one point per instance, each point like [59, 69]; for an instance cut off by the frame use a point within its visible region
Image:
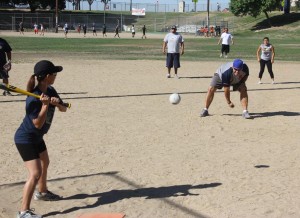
[56, 16]
[105, 3]
[207, 13]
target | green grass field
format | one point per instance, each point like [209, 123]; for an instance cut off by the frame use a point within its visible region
[284, 36]
[197, 49]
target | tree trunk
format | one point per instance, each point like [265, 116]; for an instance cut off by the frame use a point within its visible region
[268, 18]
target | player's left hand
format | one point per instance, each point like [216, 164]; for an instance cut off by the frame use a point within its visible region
[54, 101]
[231, 105]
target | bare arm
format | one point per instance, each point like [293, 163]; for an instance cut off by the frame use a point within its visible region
[273, 54]
[40, 120]
[258, 53]
[164, 47]
[227, 96]
[182, 48]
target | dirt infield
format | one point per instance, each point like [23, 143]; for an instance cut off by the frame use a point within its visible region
[123, 148]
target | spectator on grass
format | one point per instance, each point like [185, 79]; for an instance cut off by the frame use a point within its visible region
[21, 28]
[66, 29]
[94, 29]
[84, 30]
[36, 28]
[117, 31]
[225, 38]
[144, 32]
[79, 28]
[42, 30]
[104, 30]
[133, 31]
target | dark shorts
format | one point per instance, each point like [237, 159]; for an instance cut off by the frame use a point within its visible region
[173, 60]
[217, 83]
[31, 151]
[4, 74]
[225, 49]
[94, 31]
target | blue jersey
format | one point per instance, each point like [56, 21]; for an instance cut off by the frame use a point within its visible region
[27, 133]
[225, 72]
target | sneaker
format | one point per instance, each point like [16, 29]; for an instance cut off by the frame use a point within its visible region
[168, 75]
[259, 82]
[204, 113]
[226, 56]
[28, 214]
[246, 115]
[48, 196]
[273, 82]
[176, 76]
[221, 55]
[8, 93]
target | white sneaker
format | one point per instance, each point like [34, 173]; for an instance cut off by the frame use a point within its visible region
[168, 75]
[273, 82]
[176, 76]
[225, 56]
[259, 82]
[28, 214]
[221, 55]
[246, 115]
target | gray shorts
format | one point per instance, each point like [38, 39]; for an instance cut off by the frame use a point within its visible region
[217, 83]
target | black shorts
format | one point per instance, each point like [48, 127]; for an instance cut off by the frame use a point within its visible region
[4, 74]
[31, 151]
[94, 31]
[225, 49]
[173, 60]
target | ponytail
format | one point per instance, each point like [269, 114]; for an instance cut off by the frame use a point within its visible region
[31, 83]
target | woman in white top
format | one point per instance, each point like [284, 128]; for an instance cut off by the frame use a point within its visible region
[265, 58]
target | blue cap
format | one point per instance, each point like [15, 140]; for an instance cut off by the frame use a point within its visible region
[238, 64]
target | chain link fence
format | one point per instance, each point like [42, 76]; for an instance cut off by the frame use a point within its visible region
[160, 23]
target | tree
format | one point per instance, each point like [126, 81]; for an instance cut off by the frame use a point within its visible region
[90, 4]
[253, 7]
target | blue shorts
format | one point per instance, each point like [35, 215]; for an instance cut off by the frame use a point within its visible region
[173, 60]
[31, 151]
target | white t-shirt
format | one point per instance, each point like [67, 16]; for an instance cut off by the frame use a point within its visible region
[226, 38]
[132, 30]
[174, 41]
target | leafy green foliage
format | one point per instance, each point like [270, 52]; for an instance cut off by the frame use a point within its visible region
[253, 7]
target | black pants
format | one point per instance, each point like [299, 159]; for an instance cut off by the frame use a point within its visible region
[263, 63]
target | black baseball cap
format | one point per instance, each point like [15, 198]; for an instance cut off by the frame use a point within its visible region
[44, 67]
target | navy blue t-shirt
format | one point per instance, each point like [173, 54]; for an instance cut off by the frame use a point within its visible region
[4, 47]
[27, 133]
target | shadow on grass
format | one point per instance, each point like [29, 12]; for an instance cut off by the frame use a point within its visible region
[277, 21]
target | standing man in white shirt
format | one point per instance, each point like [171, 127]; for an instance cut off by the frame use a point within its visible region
[175, 44]
[225, 38]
